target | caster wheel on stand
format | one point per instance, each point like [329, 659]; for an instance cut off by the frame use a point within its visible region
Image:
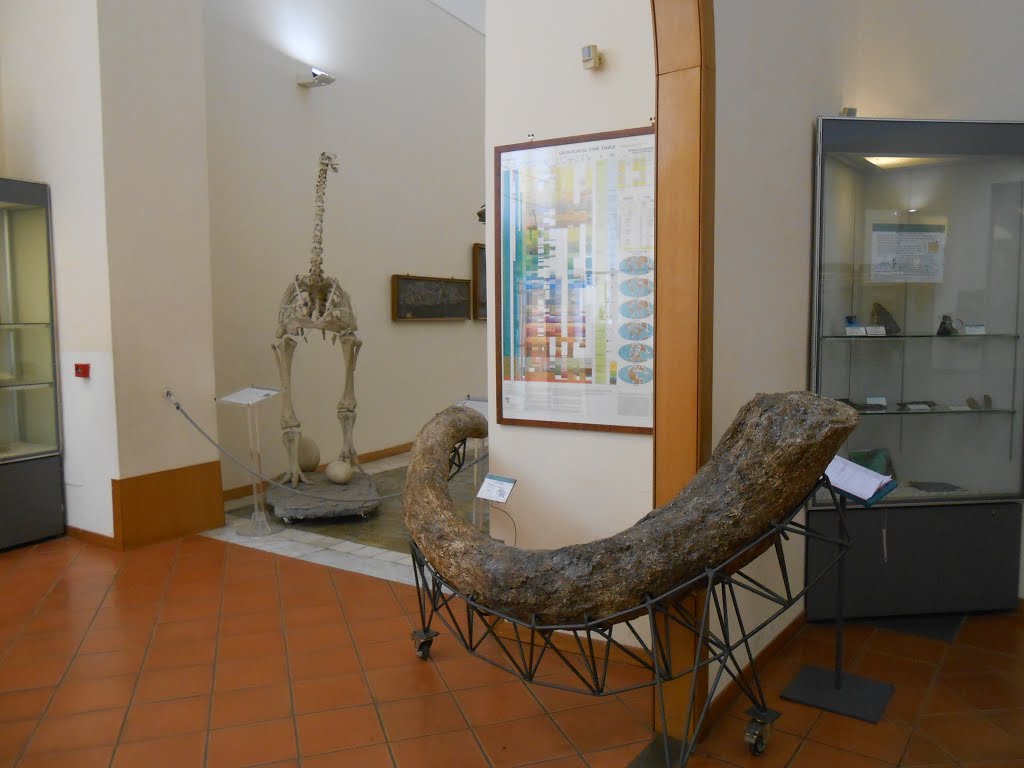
[756, 736]
[423, 648]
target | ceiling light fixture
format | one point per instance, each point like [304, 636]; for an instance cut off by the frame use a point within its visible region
[315, 79]
[902, 162]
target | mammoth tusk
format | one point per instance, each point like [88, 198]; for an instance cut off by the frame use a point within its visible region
[766, 463]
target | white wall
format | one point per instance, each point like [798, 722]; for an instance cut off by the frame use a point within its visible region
[779, 66]
[52, 132]
[154, 151]
[940, 59]
[405, 118]
[969, 69]
[574, 486]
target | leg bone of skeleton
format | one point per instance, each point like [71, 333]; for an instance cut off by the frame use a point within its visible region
[350, 346]
[291, 429]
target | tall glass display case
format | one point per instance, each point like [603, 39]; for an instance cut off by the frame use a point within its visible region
[916, 323]
[31, 484]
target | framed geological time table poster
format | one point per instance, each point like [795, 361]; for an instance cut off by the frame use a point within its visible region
[575, 282]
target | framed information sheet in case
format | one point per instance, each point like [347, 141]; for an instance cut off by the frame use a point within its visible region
[575, 282]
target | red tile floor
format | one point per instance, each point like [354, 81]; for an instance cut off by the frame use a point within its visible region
[202, 653]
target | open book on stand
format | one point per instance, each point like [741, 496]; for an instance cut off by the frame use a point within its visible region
[858, 482]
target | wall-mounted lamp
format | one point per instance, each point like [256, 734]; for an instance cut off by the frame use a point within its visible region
[315, 78]
[591, 57]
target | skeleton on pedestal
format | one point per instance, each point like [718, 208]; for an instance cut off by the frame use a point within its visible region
[314, 302]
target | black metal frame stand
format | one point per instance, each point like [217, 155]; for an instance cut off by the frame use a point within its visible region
[723, 649]
[833, 690]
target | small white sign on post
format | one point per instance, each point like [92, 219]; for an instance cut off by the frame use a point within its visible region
[496, 488]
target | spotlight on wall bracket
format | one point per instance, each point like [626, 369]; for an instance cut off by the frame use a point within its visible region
[315, 78]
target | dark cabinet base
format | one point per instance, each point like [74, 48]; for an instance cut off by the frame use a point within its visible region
[31, 501]
[943, 559]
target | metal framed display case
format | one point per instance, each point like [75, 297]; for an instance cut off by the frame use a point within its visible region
[31, 481]
[916, 322]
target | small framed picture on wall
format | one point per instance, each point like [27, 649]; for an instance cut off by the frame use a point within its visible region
[479, 281]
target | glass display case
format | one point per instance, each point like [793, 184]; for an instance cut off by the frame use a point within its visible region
[916, 322]
[30, 479]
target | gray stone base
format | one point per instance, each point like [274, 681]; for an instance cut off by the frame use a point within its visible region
[357, 497]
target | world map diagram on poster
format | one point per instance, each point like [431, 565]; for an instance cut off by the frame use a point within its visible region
[577, 282]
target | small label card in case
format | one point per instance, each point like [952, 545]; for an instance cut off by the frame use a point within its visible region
[875, 330]
[496, 488]
[974, 330]
[855, 330]
[877, 401]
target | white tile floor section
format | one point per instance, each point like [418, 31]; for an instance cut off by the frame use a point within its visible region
[326, 550]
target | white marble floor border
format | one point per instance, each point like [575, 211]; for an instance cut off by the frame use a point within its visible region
[325, 550]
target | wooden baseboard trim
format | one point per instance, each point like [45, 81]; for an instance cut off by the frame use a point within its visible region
[164, 505]
[384, 453]
[230, 494]
[729, 693]
[96, 539]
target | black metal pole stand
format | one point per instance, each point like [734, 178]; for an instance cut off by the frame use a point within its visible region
[832, 690]
[641, 636]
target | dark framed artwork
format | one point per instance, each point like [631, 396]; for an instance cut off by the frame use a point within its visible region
[430, 298]
[479, 281]
[574, 282]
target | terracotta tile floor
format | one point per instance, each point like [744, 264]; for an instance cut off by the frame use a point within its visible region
[202, 653]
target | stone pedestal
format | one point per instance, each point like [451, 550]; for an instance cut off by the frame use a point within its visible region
[357, 497]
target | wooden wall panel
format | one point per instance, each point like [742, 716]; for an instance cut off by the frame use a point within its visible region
[677, 282]
[677, 34]
[684, 278]
[163, 505]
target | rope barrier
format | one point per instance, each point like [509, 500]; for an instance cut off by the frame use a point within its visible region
[254, 474]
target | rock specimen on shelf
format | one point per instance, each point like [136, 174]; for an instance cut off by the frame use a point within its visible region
[766, 463]
[881, 316]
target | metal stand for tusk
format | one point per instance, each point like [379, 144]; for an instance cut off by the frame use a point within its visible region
[581, 657]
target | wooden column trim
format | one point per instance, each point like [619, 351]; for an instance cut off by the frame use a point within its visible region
[684, 275]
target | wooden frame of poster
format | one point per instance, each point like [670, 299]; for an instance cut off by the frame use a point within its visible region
[574, 279]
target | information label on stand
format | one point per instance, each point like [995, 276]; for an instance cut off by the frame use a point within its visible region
[496, 488]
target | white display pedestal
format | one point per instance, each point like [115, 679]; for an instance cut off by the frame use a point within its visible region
[250, 397]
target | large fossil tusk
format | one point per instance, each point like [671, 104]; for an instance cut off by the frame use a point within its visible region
[769, 459]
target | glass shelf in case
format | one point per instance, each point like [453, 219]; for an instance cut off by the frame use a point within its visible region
[29, 421]
[917, 301]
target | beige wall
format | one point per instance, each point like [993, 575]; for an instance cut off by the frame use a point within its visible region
[969, 70]
[405, 119]
[119, 134]
[940, 59]
[52, 132]
[573, 486]
[158, 236]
